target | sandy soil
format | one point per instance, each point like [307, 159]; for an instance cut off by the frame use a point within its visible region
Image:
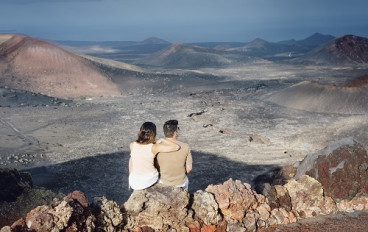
[233, 131]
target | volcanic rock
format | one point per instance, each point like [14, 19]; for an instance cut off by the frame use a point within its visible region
[341, 168]
[234, 198]
[306, 194]
[71, 214]
[278, 197]
[159, 207]
[108, 215]
[206, 208]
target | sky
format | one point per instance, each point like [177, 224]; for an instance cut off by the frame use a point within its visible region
[183, 21]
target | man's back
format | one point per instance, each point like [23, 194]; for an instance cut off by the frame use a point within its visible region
[172, 165]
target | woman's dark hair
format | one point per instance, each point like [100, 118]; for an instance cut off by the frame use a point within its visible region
[170, 127]
[147, 133]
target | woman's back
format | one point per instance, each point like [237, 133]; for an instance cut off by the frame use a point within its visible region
[142, 158]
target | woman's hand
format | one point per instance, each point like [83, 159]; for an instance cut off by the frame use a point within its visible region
[160, 140]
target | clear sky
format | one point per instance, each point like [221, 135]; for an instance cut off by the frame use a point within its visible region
[183, 20]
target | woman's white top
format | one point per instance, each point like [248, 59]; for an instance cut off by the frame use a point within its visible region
[143, 173]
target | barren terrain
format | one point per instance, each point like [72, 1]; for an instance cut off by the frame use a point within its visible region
[224, 114]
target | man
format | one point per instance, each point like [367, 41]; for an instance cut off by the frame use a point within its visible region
[174, 166]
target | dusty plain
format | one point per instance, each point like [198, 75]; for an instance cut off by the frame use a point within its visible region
[224, 114]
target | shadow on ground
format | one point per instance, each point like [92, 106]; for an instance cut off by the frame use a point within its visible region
[107, 174]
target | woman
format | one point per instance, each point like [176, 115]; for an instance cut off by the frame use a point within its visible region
[142, 172]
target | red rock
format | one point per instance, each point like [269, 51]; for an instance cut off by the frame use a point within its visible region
[79, 197]
[221, 226]
[19, 226]
[234, 198]
[342, 169]
[208, 228]
[193, 226]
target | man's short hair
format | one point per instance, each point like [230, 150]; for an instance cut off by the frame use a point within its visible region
[170, 127]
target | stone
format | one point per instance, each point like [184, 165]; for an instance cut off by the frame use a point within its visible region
[234, 225]
[357, 203]
[19, 225]
[264, 211]
[157, 207]
[234, 198]
[250, 220]
[6, 229]
[278, 196]
[280, 216]
[341, 167]
[194, 226]
[77, 196]
[328, 206]
[205, 208]
[108, 215]
[39, 219]
[208, 228]
[305, 194]
[67, 215]
[13, 183]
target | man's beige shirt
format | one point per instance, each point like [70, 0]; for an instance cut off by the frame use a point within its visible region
[171, 165]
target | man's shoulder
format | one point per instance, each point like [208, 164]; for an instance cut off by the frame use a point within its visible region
[182, 144]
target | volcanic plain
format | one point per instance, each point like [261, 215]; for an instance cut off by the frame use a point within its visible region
[241, 120]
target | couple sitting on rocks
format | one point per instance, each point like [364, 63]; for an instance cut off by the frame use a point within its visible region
[166, 161]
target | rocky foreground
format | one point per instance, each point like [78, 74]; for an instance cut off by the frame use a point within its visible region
[333, 181]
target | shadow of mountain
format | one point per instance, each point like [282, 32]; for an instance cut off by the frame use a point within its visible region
[107, 174]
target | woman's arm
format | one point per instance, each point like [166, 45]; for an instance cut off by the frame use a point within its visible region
[164, 145]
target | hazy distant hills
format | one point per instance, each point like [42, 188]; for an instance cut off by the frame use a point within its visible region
[317, 48]
[179, 55]
[38, 66]
[316, 97]
[347, 49]
[283, 49]
[260, 47]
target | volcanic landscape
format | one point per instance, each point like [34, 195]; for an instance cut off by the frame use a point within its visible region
[68, 110]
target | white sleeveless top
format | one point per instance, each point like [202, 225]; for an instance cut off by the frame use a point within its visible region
[143, 173]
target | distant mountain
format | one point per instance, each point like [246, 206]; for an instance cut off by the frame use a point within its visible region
[260, 47]
[314, 40]
[347, 49]
[152, 40]
[189, 56]
[38, 66]
[310, 42]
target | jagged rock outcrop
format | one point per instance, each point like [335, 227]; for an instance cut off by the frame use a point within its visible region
[159, 207]
[234, 198]
[205, 208]
[342, 169]
[71, 214]
[108, 215]
[306, 195]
